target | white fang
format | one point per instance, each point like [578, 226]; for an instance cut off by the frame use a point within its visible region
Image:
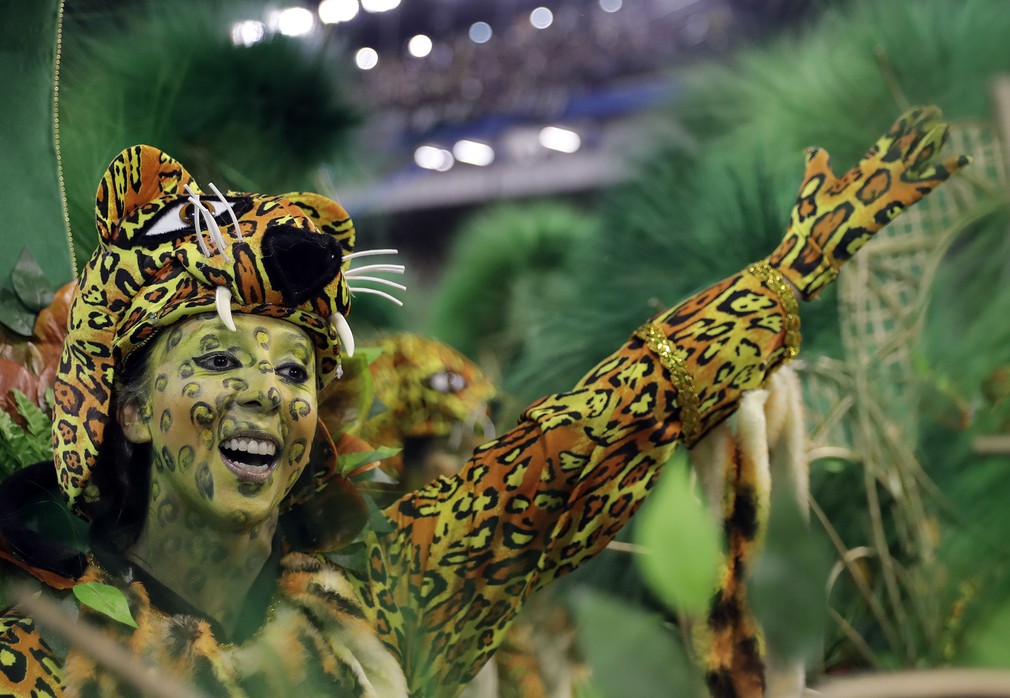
[222, 299]
[339, 323]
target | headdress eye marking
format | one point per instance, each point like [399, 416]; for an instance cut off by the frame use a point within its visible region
[177, 219]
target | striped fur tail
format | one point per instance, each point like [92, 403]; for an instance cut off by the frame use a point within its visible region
[736, 464]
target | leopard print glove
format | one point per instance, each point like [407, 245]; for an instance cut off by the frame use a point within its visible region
[835, 216]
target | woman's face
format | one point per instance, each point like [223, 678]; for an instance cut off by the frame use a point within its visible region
[230, 417]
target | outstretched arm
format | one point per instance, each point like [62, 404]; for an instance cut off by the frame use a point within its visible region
[551, 493]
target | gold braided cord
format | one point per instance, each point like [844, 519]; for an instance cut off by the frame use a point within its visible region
[773, 279]
[56, 137]
[672, 360]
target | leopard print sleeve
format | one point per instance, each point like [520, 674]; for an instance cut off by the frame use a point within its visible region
[551, 493]
[27, 665]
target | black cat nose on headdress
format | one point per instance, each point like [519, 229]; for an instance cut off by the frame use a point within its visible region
[299, 263]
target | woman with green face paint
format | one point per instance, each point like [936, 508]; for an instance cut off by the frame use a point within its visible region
[186, 433]
[229, 416]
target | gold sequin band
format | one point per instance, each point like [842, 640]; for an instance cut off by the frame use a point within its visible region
[780, 287]
[672, 360]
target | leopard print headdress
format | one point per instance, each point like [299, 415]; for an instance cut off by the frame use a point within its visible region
[167, 251]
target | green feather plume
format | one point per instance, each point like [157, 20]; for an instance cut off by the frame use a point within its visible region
[256, 118]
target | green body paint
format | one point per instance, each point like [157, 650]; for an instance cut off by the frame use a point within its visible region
[235, 414]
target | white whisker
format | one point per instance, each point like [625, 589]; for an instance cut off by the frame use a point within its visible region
[231, 213]
[196, 221]
[355, 289]
[214, 231]
[369, 253]
[393, 268]
[385, 282]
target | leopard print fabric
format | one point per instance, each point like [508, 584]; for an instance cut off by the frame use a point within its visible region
[315, 637]
[551, 493]
[27, 665]
[835, 216]
[427, 389]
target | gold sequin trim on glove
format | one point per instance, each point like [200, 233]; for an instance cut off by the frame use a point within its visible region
[773, 279]
[672, 360]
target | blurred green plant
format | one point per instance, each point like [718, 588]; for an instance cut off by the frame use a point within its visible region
[255, 118]
[32, 292]
[611, 631]
[681, 539]
[29, 441]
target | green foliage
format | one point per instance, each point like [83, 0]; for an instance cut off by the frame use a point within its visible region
[508, 268]
[31, 294]
[629, 650]
[715, 196]
[786, 588]
[107, 600]
[257, 118]
[377, 522]
[21, 446]
[682, 539]
[350, 461]
[29, 187]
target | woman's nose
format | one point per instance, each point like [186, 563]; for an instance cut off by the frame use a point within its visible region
[260, 391]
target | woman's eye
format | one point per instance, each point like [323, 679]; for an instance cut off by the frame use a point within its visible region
[217, 362]
[294, 373]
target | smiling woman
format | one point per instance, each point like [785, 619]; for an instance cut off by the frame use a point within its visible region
[186, 431]
[229, 416]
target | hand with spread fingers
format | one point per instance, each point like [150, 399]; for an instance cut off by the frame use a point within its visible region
[835, 216]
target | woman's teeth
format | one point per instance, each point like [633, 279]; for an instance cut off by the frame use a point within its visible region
[254, 446]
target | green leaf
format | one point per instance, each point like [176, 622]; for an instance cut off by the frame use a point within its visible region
[15, 441]
[377, 521]
[14, 315]
[788, 586]
[376, 408]
[38, 421]
[369, 354]
[107, 600]
[629, 650]
[375, 475]
[683, 541]
[349, 461]
[352, 557]
[30, 282]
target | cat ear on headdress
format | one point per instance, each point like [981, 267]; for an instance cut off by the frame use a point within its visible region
[328, 216]
[137, 176]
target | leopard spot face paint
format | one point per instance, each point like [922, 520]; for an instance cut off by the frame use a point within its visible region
[262, 337]
[185, 459]
[235, 412]
[174, 336]
[235, 384]
[205, 482]
[202, 414]
[210, 343]
[168, 512]
[167, 459]
[299, 409]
